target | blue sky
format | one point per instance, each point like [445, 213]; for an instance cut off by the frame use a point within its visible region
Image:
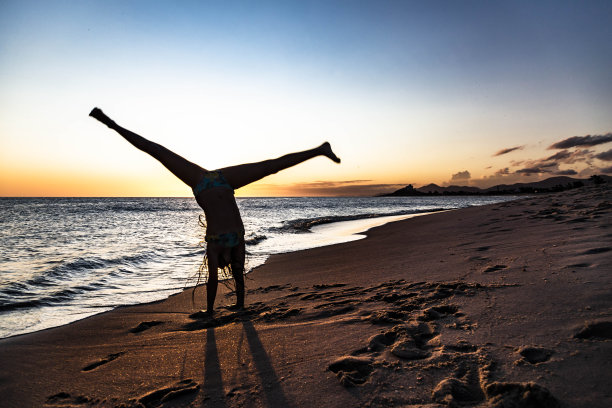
[407, 92]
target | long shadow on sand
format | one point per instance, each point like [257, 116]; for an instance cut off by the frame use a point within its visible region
[213, 379]
[270, 383]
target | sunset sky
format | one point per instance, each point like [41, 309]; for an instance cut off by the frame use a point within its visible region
[463, 92]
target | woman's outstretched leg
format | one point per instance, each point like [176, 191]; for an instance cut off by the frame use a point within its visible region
[241, 175]
[185, 170]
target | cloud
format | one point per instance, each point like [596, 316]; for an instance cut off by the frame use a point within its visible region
[563, 154]
[605, 156]
[533, 170]
[503, 171]
[579, 160]
[508, 150]
[501, 177]
[552, 163]
[589, 171]
[607, 170]
[573, 157]
[587, 140]
[569, 172]
[462, 175]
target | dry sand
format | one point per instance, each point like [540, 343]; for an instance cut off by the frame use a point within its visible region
[506, 305]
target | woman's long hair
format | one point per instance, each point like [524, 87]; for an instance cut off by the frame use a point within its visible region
[225, 275]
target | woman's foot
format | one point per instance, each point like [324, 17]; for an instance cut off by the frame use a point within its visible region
[202, 314]
[97, 113]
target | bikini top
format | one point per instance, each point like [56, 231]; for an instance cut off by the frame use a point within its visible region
[210, 180]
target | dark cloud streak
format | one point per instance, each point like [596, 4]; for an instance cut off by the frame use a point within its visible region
[587, 140]
[605, 156]
[569, 172]
[563, 154]
[508, 150]
[532, 170]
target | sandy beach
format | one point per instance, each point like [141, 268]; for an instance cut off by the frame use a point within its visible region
[505, 305]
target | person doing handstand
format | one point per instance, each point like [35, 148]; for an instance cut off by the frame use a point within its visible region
[214, 192]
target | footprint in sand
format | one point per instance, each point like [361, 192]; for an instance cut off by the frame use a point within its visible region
[256, 311]
[294, 294]
[279, 314]
[334, 304]
[351, 370]
[415, 343]
[379, 342]
[408, 342]
[579, 265]
[393, 296]
[453, 391]
[534, 355]
[437, 312]
[595, 331]
[470, 387]
[494, 268]
[333, 312]
[145, 326]
[312, 296]
[106, 360]
[577, 220]
[597, 251]
[271, 288]
[505, 394]
[66, 400]
[386, 317]
[327, 286]
[170, 394]
[462, 346]
[407, 348]
[479, 258]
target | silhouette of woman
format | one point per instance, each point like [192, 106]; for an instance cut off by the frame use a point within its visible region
[214, 192]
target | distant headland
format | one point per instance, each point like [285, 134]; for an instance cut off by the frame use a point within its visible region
[550, 185]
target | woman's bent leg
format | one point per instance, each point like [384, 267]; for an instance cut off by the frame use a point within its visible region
[185, 170]
[241, 175]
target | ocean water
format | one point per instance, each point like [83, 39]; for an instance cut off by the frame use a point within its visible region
[63, 259]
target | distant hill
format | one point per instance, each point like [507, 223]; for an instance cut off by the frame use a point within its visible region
[549, 183]
[552, 184]
[434, 188]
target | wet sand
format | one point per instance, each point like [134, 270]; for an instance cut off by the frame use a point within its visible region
[504, 305]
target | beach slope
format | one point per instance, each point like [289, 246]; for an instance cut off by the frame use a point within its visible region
[502, 305]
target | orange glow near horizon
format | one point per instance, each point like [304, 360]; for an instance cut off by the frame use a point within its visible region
[59, 184]
[318, 178]
[155, 181]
